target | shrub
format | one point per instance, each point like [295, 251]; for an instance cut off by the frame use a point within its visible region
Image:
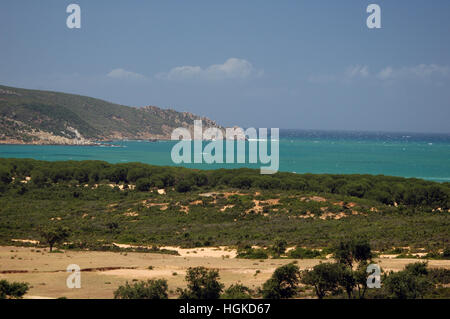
[413, 282]
[38, 178]
[184, 186]
[143, 184]
[237, 291]
[446, 253]
[53, 235]
[252, 253]
[5, 176]
[324, 277]
[353, 250]
[12, 290]
[279, 247]
[405, 285]
[283, 283]
[439, 275]
[202, 284]
[150, 289]
[303, 253]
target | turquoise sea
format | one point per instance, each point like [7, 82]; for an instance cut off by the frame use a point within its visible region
[424, 156]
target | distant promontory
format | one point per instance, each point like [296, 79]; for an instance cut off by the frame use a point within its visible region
[44, 117]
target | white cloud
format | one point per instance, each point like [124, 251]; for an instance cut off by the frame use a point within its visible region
[386, 73]
[420, 71]
[183, 72]
[389, 74]
[124, 74]
[232, 68]
[357, 71]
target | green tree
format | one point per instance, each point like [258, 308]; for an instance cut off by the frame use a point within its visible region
[12, 290]
[150, 289]
[446, 253]
[143, 184]
[346, 279]
[53, 235]
[184, 186]
[350, 251]
[279, 247]
[361, 275]
[202, 283]
[136, 173]
[283, 283]
[237, 291]
[5, 176]
[410, 283]
[303, 253]
[324, 277]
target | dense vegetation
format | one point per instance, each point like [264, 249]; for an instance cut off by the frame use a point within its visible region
[119, 203]
[22, 111]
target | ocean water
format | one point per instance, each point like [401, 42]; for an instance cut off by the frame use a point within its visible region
[424, 156]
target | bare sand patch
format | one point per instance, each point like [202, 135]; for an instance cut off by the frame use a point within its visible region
[131, 214]
[225, 194]
[216, 252]
[27, 241]
[260, 204]
[148, 204]
[314, 199]
[224, 208]
[46, 272]
[142, 273]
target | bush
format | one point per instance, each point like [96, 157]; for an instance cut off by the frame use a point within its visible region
[283, 283]
[5, 176]
[150, 289]
[135, 174]
[237, 291]
[324, 277]
[303, 253]
[12, 290]
[279, 247]
[251, 253]
[353, 250]
[184, 186]
[143, 184]
[439, 275]
[202, 284]
[446, 253]
[406, 285]
[55, 234]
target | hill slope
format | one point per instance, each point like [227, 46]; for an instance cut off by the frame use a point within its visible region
[43, 117]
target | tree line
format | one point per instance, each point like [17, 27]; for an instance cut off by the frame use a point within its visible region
[385, 189]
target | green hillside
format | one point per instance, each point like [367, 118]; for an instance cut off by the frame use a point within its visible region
[31, 116]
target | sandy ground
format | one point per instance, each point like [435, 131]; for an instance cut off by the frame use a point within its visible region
[103, 272]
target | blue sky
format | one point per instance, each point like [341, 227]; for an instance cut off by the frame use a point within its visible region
[288, 64]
